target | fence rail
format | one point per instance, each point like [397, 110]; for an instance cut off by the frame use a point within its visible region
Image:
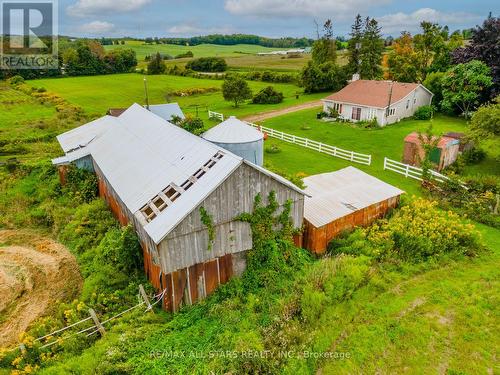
[316, 146]
[97, 325]
[411, 171]
[216, 115]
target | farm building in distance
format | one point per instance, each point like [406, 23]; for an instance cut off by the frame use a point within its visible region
[386, 101]
[238, 137]
[444, 154]
[342, 200]
[157, 177]
[166, 111]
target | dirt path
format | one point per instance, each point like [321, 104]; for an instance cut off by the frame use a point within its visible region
[35, 272]
[282, 111]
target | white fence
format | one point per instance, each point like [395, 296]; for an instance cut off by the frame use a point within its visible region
[316, 146]
[216, 115]
[411, 171]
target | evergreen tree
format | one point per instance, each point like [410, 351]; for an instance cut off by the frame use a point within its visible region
[354, 45]
[156, 65]
[325, 49]
[372, 47]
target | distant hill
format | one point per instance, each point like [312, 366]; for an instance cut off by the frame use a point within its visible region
[237, 39]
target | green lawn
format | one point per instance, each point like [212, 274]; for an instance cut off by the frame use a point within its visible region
[380, 143]
[96, 94]
[202, 50]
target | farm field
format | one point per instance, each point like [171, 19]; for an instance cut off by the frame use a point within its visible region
[202, 50]
[380, 143]
[99, 93]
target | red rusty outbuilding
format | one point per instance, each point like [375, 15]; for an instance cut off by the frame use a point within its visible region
[339, 201]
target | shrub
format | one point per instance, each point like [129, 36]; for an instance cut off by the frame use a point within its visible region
[268, 95]
[81, 184]
[16, 80]
[420, 231]
[273, 149]
[423, 113]
[185, 54]
[473, 156]
[207, 64]
[88, 226]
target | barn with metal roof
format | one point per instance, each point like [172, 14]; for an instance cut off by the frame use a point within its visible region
[157, 177]
[341, 200]
[238, 137]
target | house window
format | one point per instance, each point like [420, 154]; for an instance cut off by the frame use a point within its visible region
[391, 111]
[356, 113]
[407, 104]
[414, 100]
[337, 107]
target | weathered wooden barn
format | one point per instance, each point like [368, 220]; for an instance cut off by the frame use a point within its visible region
[157, 177]
[341, 200]
[444, 154]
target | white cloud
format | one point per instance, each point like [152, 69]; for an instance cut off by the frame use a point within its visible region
[411, 21]
[97, 27]
[187, 29]
[98, 7]
[298, 8]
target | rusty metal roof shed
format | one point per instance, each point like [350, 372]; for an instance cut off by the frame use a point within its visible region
[340, 193]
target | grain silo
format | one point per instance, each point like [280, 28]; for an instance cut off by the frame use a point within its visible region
[241, 139]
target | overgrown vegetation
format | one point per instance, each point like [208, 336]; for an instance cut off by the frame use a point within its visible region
[207, 64]
[268, 95]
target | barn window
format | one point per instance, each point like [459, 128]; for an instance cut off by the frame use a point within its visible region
[172, 191]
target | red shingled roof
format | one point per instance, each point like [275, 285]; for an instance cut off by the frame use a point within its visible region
[372, 93]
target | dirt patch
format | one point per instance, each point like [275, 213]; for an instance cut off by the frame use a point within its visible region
[419, 301]
[35, 272]
[283, 111]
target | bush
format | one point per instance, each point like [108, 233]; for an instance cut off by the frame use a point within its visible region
[268, 95]
[273, 149]
[423, 113]
[16, 80]
[473, 156]
[87, 227]
[420, 231]
[207, 64]
[184, 55]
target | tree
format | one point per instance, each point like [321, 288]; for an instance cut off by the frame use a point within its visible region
[401, 62]
[156, 65]
[236, 89]
[372, 47]
[484, 46]
[325, 48]
[463, 85]
[485, 123]
[323, 77]
[354, 45]
[207, 64]
[433, 82]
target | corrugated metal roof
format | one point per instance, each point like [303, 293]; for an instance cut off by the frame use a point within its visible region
[233, 131]
[337, 194]
[166, 111]
[141, 154]
[81, 136]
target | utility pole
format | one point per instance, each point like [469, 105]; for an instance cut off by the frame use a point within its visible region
[146, 93]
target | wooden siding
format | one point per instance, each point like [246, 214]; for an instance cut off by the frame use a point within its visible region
[181, 264]
[317, 239]
[233, 197]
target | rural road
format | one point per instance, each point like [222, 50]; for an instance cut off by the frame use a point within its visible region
[282, 111]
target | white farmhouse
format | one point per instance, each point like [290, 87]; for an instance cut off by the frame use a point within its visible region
[387, 101]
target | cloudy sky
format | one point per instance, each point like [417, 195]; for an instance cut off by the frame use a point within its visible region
[273, 18]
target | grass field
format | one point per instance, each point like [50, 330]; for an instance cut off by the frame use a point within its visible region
[380, 143]
[99, 93]
[202, 50]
